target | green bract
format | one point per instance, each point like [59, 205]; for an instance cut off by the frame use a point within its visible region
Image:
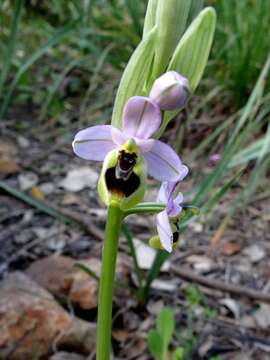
[191, 54]
[150, 17]
[171, 18]
[176, 36]
[135, 75]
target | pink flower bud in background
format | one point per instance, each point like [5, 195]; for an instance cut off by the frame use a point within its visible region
[170, 91]
[214, 158]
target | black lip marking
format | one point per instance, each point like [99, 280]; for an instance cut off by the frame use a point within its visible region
[175, 237]
[120, 185]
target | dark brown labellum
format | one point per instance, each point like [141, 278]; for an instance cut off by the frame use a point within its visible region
[120, 186]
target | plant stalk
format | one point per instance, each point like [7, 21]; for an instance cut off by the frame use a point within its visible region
[109, 255]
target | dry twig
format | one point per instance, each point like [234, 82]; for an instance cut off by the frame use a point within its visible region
[236, 290]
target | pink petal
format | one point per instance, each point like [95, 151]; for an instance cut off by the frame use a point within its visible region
[94, 142]
[144, 145]
[141, 117]
[184, 172]
[164, 230]
[163, 193]
[179, 199]
[175, 210]
[117, 136]
[163, 162]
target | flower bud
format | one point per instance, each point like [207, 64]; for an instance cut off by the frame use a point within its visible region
[170, 91]
[155, 243]
[123, 176]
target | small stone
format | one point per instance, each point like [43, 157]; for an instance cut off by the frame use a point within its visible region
[62, 278]
[8, 166]
[32, 321]
[200, 263]
[28, 315]
[196, 227]
[56, 244]
[146, 255]
[255, 253]
[63, 355]
[79, 179]
[262, 316]
[47, 188]
[230, 248]
[23, 142]
[27, 180]
[164, 285]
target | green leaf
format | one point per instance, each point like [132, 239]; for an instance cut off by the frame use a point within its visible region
[155, 344]
[165, 326]
[191, 54]
[171, 19]
[150, 17]
[251, 152]
[193, 295]
[178, 354]
[135, 75]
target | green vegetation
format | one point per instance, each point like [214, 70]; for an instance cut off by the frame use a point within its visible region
[165, 333]
[241, 45]
[61, 65]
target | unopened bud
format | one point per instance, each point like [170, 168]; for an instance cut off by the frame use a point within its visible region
[170, 91]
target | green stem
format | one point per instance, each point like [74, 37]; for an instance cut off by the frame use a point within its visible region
[109, 254]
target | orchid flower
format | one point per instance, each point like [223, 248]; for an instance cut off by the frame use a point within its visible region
[141, 119]
[171, 211]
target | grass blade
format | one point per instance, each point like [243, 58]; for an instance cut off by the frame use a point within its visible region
[35, 203]
[159, 260]
[134, 12]
[11, 43]
[57, 83]
[236, 139]
[137, 269]
[36, 56]
[221, 192]
[87, 270]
